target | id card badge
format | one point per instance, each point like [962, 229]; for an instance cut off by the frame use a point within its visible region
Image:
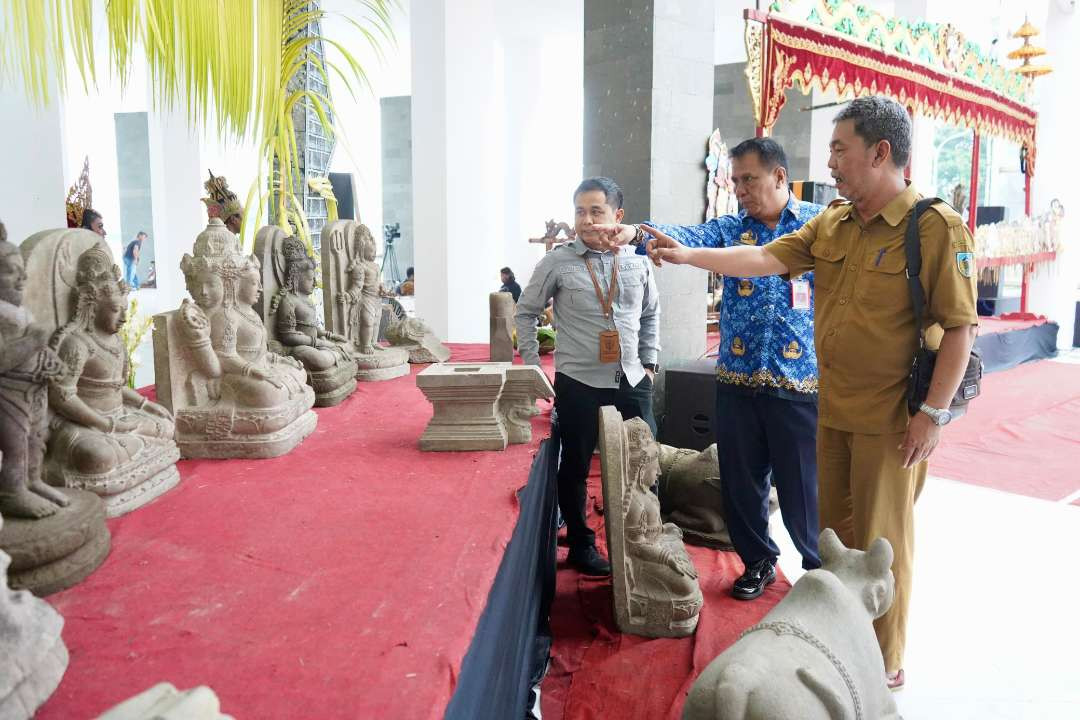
[800, 294]
[609, 346]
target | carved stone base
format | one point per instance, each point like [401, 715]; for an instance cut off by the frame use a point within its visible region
[330, 389]
[383, 364]
[465, 400]
[128, 487]
[56, 552]
[236, 445]
[517, 403]
[165, 701]
[40, 677]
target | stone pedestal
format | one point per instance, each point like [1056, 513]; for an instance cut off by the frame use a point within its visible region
[33, 657]
[465, 399]
[501, 346]
[165, 702]
[524, 384]
[654, 583]
[815, 654]
[53, 553]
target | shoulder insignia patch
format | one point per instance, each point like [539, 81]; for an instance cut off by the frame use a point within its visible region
[965, 263]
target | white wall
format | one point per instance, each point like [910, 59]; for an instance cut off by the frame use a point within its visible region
[497, 94]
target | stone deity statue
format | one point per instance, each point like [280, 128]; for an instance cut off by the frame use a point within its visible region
[292, 320]
[106, 438]
[365, 310]
[55, 537]
[654, 583]
[231, 396]
[26, 364]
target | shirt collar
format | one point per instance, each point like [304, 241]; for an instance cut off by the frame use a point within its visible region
[898, 208]
[580, 248]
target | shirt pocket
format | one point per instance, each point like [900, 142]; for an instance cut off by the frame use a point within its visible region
[884, 280]
[576, 287]
[828, 266]
[631, 288]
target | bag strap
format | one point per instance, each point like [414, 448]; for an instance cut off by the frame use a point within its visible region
[913, 253]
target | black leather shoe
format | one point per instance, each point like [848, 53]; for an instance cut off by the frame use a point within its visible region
[588, 561]
[754, 581]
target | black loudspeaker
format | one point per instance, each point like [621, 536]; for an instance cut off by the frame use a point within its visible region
[986, 214]
[343, 191]
[690, 404]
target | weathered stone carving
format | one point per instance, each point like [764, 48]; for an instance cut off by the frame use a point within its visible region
[416, 338]
[522, 386]
[55, 537]
[352, 299]
[105, 437]
[501, 306]
[465, 399]
[164, 702]
[691, 496]
[815, 654]
[33, 657]
[654, 583]
[291, 321]
[231, 397]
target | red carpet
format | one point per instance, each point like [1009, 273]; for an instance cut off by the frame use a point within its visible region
[1022, 435]
[597, 673]
[343, 580]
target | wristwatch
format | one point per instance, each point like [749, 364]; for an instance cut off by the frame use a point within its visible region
[651, 366]
[940, 417]
[639, 236]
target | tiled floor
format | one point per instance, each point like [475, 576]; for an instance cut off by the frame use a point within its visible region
[994, 629]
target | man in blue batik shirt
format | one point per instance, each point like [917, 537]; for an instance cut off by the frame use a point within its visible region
[766, 372]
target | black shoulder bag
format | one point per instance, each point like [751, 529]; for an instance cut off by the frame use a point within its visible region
[922, 369]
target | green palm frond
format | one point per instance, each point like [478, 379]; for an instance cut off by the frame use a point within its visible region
[226, 61]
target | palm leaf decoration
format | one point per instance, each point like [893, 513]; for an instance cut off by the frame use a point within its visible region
[229, 62]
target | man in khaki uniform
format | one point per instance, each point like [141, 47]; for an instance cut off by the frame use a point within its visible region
[871, 455]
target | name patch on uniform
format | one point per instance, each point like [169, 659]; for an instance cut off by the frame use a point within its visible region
[965, 263]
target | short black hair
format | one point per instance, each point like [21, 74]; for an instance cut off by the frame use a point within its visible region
[409, 272]
[508, 271]
[88, 218]
[880, 118]
[770, 152]
[612, 191]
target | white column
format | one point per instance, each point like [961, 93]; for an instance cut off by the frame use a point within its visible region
[32, 188]
[1053, 289]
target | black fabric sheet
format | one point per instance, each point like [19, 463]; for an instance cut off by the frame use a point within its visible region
[1005, 350]
[510, 648]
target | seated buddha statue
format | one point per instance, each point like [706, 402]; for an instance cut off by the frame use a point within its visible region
[231, 396]
[105, 437]
[326, 356]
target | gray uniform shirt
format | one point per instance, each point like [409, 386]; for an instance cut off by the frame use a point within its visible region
[579, 318]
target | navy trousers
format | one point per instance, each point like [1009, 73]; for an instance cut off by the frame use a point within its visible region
[758, 435]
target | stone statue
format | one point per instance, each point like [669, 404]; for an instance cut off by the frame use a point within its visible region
[415, 337]
[365, 309]
[165, 702]
[501, 324]
[815, 654]
[55, 537]
[33, 657]
[292, 321]
[105, 437]
[690, 495]
[524, 384]
[230, 395]
[654, 583]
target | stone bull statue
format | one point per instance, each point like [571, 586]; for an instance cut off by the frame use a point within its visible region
[815, 654]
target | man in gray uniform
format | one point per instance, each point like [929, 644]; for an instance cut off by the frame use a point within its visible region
[607, 313]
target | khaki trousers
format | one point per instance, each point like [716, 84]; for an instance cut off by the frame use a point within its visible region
[864, 494]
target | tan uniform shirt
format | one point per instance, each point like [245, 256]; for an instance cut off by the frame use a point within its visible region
[864, 324]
